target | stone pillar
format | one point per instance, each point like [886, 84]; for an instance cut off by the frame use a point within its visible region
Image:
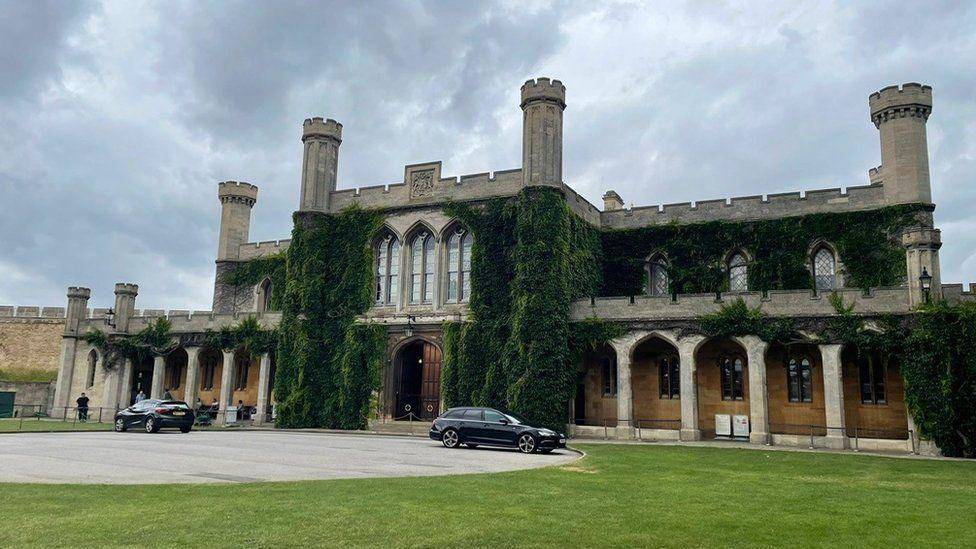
[226, 380]
[263, 389]
[834, 395]
[320, 164]
[125, 305]
[192, 375]
[612, 201]
[922, 253]
[236, 201]
[900, 115]
[689, 387]
[625, 395]
[125, 386]
[110, 389]
[543, 102]
[159, 374]
[758, 393]
[75, 313]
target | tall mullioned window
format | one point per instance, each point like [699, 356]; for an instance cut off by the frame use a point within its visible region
[799, 380]
[738, 273]
[824, 269]
[209, 373]
[657, 277]
[387, 254]
[92, 363]
[459, 267]
[422, 269]
[669, 377]
[732, 369]
[871, 370]
[608, 374]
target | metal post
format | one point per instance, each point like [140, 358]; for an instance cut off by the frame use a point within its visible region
[99, 414]
[639, 437]
[911, 436]
[811, 437]
[65, 417]
[857, 439]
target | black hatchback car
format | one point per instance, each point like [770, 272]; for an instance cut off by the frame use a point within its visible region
[475, 426]
[153, 415]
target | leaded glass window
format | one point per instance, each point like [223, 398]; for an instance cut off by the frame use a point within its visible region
[669, 377]
[872, 377]
[459, 267]
[387, 256]
[738, 273]
[608, 373]
[732, 372]
[658, 277]
[799, 380]
[824, 271]
[422, 269]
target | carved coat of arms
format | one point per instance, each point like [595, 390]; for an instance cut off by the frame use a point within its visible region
[421, 183]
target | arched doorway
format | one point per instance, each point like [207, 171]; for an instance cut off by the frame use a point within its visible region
[656, 383]
[418, 381]
[142, 374]
[596, 390]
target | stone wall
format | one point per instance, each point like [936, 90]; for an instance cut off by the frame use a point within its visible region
[30, 338]
[29, 393]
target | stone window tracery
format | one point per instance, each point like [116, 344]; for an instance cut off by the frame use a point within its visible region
[387, 271]
[738, 273]
[824, 269]
[658, 282]
[422, 269]
[459, 267]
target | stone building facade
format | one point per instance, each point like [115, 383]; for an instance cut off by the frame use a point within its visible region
[654, 382]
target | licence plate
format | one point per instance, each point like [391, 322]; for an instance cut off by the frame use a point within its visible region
[179, 413]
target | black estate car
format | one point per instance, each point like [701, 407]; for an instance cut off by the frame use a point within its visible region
[474, 426]
[153, 415]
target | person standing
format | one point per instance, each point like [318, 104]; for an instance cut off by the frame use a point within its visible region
[167, 395]
[82, 403]
[140, 397]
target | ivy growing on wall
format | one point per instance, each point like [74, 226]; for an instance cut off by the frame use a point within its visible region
[531, 257]
[868, 243]
[328, 284]
[154, 340]
[254, 271]
[247, 335]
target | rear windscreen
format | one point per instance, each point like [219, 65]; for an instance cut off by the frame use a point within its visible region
[174, 404]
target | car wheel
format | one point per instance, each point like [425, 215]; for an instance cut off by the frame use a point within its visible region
[185, 429]
[526, 443]
[451, 439]
[151, 426]
[120, 425]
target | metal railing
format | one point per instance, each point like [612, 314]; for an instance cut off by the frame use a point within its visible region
[854, 433]
[60, 419]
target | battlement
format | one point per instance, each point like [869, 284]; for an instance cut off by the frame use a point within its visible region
[181, 321]
[477, 186]
[955, 293]
[544, 89]
[777, 303]
[749, 208]
[317, 127]
[252, 250]
[231, 190]
[31, 311]
[911, 100]
[124, 288]
[78, 292]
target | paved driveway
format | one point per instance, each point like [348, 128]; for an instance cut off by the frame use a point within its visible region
[242, 456]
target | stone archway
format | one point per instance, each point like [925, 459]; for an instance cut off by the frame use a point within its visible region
[417, 380]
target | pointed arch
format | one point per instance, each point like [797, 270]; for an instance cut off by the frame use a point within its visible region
[92, 366]
[458, 241]
[386, 267]
[262, 295]
[657, 274]
[823, 262]
[737, 267]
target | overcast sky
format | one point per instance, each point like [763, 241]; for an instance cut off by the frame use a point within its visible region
[118, 119]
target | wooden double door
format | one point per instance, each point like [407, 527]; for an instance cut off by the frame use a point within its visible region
[418, 387]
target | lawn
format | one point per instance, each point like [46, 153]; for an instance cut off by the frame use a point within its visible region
[621, 495]
[34, 424]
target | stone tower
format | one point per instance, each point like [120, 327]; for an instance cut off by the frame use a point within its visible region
[236, 200]
[543, 102]
[76, 312]
[900, 115]
[321, 160]
[125, 305]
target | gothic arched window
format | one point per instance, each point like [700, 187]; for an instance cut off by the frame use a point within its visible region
[658, 282]
[824, 269]
[669, 377]
[264, 296]
[387, 254]
[422, 269]
[738, 273]
[92, 363]
[732, 369]
[459, 266]
[799, 380]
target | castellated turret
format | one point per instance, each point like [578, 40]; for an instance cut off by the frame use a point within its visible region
[320, 163]
[900, 115]
[236, 201]
[125, 305]
[543, 102]
[77, 308]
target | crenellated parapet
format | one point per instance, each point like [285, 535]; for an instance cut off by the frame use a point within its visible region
[31, 311]
[911, 100]
[317, 128]
[544, 89]
[900, 114]
[238, 192]
[253, 250]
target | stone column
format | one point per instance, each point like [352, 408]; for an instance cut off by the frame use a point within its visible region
[689, 387]
[922, 255]
[125, 386]
[110, 390]
[192, 375]
[321, 161]
[159, 374]
[758, 393]
[834, 395]
[75, 313]
[543, 102]
[263, 389]
[625, 396]
[226, 381]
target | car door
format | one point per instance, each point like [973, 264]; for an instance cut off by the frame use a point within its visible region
[497, 428]
[470, 425]
[138, 413]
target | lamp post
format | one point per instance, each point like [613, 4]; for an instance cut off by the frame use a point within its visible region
[925, 279]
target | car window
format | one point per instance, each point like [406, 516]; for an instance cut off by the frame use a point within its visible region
[472, 415]
[453, 414]
[141, 406]
[493, 416]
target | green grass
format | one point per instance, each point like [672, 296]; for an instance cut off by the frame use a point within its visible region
[617, 496]
[34, 424]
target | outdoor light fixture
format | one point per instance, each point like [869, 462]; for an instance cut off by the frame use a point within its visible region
[110, 317]
[925, 279]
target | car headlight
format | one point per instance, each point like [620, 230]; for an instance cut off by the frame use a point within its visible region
[546, 432]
